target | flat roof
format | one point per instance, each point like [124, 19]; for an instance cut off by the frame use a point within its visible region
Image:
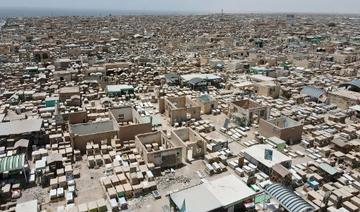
[155, 119]
[188, 77]
[118, 88]
[259, 77]
[92, 128]
[229, 189]
[327, 168]
[312, 91]
[30, 206]
[210, 195]
[258, 153]
[73, 89]
[196, 198]
[276, 140]
[20, 127]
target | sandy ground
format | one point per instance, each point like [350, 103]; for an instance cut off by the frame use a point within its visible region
[88, 189]
[184, 177]
[299, 160]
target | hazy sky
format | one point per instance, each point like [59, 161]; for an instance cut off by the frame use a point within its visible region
[313, 6]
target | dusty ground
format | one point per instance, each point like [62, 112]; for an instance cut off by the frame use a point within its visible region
[183, 178]
[39, 193]
[88, 189]
[299, 160]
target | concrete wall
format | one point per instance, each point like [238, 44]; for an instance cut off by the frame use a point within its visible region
[268, 90]
[177, 139]
[193, 136]
[246, 111]
[158, 157]
[161, 157]
[78, 117]
[189, 140]
[125, 112]
[141, 148]
[182, 134]
[64, 76]
[195, 112]
[250, 158]
[79, 142]
[148, 138]
[136, 117]
[178, 101]
[177, 115]
[162, 105]
[236, 112]
[176, 111]
[267, 130]
[130, 131]
[206, 107]
[291, 135]
[180, 115]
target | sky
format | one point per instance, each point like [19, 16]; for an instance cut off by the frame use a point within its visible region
[300, 6]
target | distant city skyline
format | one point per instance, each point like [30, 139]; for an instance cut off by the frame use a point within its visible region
[210, 6]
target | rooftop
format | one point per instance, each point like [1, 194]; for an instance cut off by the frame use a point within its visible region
[259, 77]
[20, 127]
[312, 92]
[327, 168]
[258, 152]
[276, 140]
[188, 77]
[118, 88]
[74, 89]
[213, 194]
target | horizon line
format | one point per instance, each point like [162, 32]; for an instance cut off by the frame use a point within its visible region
[163, 12]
